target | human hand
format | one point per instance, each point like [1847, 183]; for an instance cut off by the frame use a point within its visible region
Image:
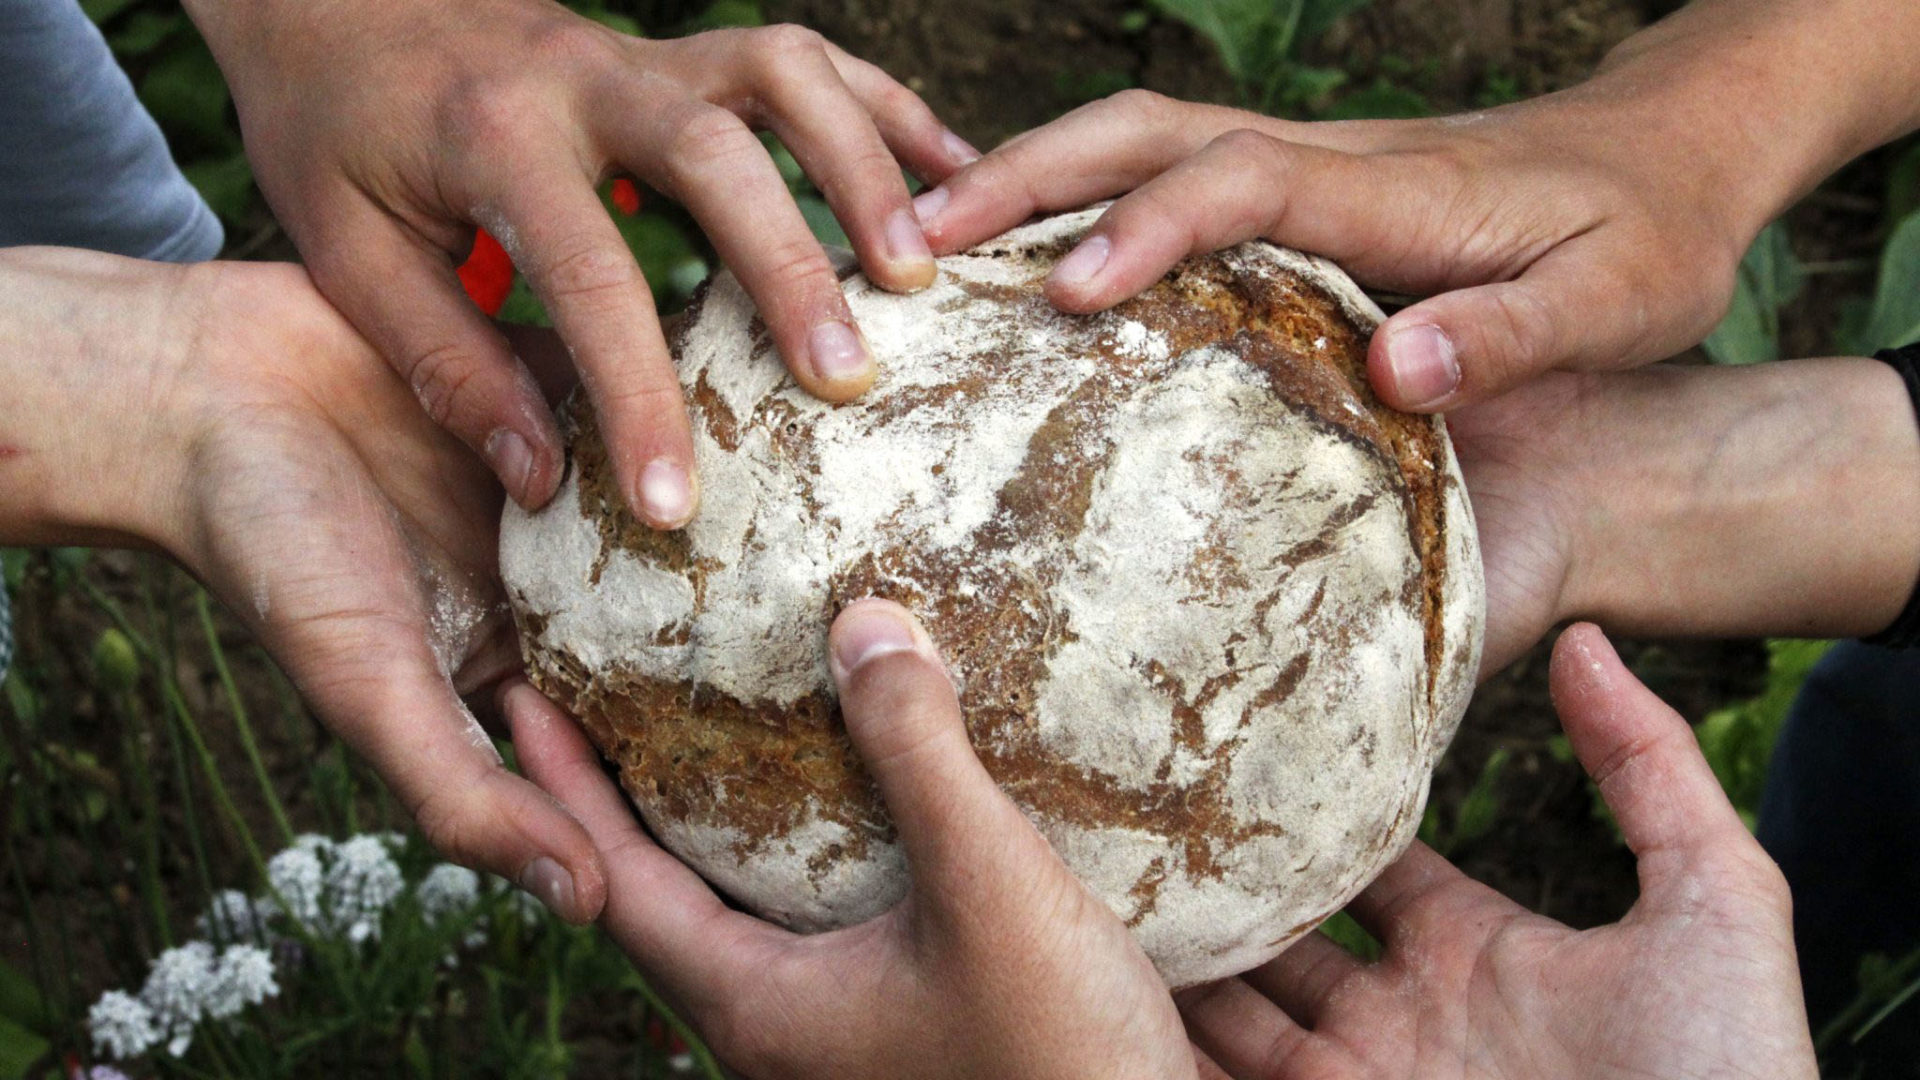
[382, 132]
[997, 963]
[226, 414]
[1767, 500]
[1556, 233]
[1698, 980]
[1598, 227]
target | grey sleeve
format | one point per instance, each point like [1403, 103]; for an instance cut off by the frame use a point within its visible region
[81, 162]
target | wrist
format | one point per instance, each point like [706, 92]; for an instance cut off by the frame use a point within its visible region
[90, 422]
[1774, 500]
[1760, 100]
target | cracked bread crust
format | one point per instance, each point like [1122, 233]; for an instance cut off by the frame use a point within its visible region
[1213, 610]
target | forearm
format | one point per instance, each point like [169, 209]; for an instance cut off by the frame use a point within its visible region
[1767, 96]
[1779, 500]
[82, 432]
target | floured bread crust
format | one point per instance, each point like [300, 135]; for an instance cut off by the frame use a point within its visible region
[1213, 610]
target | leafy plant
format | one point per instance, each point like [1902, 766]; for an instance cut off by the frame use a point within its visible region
[1893, 316]
[1476, 813]
[1738, 740]
[357, 957]
[1260, 44]
[1769, 278]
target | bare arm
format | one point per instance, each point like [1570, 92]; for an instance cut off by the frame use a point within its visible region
[1776, 499]
[226, 414]
[1593, 229]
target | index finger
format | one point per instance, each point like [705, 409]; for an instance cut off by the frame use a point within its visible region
[560, 236]
[1098, 150]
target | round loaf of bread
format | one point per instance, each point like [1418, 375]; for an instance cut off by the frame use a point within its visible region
[1212, 609]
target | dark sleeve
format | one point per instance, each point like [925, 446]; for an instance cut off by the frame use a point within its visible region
[1905, 631]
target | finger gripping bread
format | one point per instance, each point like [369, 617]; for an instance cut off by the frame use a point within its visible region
[1213, 610]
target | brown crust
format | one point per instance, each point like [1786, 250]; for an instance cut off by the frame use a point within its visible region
[702, 756]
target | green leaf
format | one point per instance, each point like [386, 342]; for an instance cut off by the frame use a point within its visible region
[1300, 86]
[623, 23]
[145, 31]
[820, 219]
[783, 159]
[1769, 278]
[1351, 936]
[1742, 336]
[1737, 741]
[1383, 100]
[1243, 31]
[522, 307]
[1481, 808]
[226, 183]
[414, 1053]
[1076, 87]
[1903, 184]
[20, 999]
[1895, 316]
[1260, 40]
[20, 1050]
[725, 13]
[102, 10]
[660, 248]
[1497, 88]
[186, 93]
[23, 701]
[1318, 16]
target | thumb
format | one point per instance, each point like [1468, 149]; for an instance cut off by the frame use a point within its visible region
[1640, 753]
[955, 824]
[1576, 308]
[375, 680]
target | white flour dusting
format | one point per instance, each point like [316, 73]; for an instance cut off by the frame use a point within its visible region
[1200, 591]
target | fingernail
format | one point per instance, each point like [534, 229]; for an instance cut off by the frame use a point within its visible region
[958, 149]
[837, 353]
[1422, 364]
[666, 494]
[550, 884]
[868, 630]
[512, 460]
[928, 204]
[1083, 263]
[907, 246]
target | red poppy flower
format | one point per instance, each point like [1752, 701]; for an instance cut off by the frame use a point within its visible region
[488, 273]
[626, 196]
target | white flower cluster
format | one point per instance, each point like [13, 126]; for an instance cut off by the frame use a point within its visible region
[338, 890]
[187, 985]
[447, 891]
[334, 890]
[235, 916]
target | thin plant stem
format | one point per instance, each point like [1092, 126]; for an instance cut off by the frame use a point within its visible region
[222, 797]
[1848, 1022]
[187, 807]
[703, 1057]
[149, 835]
[348, 808]
[1893, 1005]
[240, 722]
[42, 981]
